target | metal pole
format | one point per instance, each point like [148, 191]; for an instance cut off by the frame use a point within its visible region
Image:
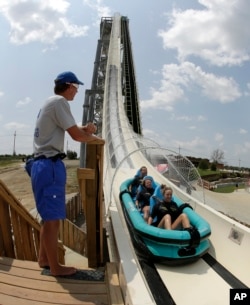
[14, 147]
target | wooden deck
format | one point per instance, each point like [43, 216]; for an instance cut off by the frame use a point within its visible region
[21, 282]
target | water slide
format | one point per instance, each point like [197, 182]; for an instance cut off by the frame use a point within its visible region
[208, 280]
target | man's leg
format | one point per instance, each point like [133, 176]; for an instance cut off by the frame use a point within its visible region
[49, 242]
[42, 258]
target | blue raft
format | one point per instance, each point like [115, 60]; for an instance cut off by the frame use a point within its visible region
[171, 247]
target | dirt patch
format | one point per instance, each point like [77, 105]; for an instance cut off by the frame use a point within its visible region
[18, 182]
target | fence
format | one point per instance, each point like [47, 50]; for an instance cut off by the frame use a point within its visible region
[19, 231]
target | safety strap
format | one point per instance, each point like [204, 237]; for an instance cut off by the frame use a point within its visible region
[183, 206]
[195, 237]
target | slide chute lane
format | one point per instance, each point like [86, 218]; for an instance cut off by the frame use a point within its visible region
[116, 128]
[125, 151]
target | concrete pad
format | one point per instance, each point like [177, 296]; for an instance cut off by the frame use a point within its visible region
[236, 204]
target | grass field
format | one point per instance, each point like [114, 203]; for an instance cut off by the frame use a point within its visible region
[6, 163]
[227, 189]
[207, 172]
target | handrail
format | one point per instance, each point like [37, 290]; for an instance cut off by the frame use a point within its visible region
[19, 230]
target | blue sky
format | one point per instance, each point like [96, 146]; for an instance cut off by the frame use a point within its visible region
[192, 61]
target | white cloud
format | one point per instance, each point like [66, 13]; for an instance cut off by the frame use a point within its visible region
[164, 97]
[247, 92]
[222, 89]
[242, 131]
[201, 118]
[150, 133]
[247, 146]
[102, 10]
[218, 137]
[242, 149]
[15, 126]
[24, 102]
[183, 118]
[56, 5]
[218, 33]
[42, 21]
[185, 76]
[197, 145]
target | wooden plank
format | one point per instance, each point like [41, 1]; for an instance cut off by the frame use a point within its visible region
[113, 284]
[66, 232]
[27, 240]
[5, 227]
[33, 253]
[91, 211]
[94, 159]
[82, 186]
[24, 237]
[12, 213]
[16, 234]
[80, 240]
[69, 298]
[18, 225]
[21, 280]
[71, 234]
[1, 242]
[85, 174]
[91, 190]
[72, 211]
[8, 261]
[100, 202]
[10, 300]
[36, 236]
[68, 211]
[78, 206]
[63, 236]
[10, 199]
[26, 266]
[71, 215]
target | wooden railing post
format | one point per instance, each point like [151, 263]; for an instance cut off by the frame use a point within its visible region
[91, 189]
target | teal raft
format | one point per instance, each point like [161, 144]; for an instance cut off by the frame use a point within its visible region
[171, 247]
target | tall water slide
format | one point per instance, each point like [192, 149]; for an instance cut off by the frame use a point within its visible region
[113, 104]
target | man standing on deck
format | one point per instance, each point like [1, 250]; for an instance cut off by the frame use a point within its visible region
[48, 173]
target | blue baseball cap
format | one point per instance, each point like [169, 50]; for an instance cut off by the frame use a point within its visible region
[67, 77]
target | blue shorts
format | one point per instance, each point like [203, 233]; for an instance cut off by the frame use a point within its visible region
[48, 179]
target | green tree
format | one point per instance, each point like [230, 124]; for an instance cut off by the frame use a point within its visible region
[204, 164]
[71, 155]
[213, 167]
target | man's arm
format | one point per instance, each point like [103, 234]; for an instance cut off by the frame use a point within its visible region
[80, 134]
[89, 128]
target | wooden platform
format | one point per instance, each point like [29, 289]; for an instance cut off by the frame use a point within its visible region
[21, 282]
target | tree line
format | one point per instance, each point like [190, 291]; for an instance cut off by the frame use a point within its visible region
[71, 155]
